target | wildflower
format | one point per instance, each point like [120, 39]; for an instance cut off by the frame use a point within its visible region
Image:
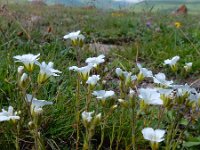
[74, 36]
[153, 135]
[188, 66]
[28, 60]
[177, 24]
[143, 72]
[185, 92]
[194, 96]
[182, 90]
[166, 95]
[119, 72]
[46, 70]
[148, 24]
[129, 77]
[95, 61]
[102, 94]
[150, 96]
[36, 105]
[124, 75]
[87, 116]
[160, 78]
[8, 115]
[83, 71]
[93, 80]
[172, 61]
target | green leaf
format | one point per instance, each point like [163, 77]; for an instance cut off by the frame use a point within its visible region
[191, 144]
[184, 122]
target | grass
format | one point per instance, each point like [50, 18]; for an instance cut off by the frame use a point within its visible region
[127, 31]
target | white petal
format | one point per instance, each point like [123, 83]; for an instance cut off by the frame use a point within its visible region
[148, 133]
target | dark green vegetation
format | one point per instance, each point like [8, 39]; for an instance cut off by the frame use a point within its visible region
[128, 31]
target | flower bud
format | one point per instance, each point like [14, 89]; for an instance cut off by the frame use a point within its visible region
[123, 103]
[31, 125]
[140, 77]
[97, 119]
[20, 70]
[23, 80]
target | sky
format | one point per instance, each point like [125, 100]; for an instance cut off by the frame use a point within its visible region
[130, 1]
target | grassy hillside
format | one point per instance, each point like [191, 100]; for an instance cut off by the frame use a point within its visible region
[146, 37]
[168, 6]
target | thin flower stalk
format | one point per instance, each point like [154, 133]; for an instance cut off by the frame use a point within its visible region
[77, 112]
[133, 121]
[104, 122]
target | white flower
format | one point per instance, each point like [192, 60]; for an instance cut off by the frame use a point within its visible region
[8, 115]
[36, 105]
[144, 72]
[160, 78]
[93, 80]
[128, 76]
[95, 61]
[125, 75]
[188, 66]
[46, 70]
[87, 116]
[153, 135]
[172, 61]
[119, 72]
[84, 71]
[150, 96]
[28, 60]
[182, 90]
[102, 94]
[74, 36]
[186, 90]
[194, 96]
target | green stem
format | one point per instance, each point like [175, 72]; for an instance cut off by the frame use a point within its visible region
[88, 100]
[133, 123]
[17, 137]
[77, 112]
[102, 136]
[120, 128]
[160, 116]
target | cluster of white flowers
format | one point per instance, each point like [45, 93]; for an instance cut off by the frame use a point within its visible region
[150, 96]
[125, 75]
[8, 115]
[173, 61]
[46, 70]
